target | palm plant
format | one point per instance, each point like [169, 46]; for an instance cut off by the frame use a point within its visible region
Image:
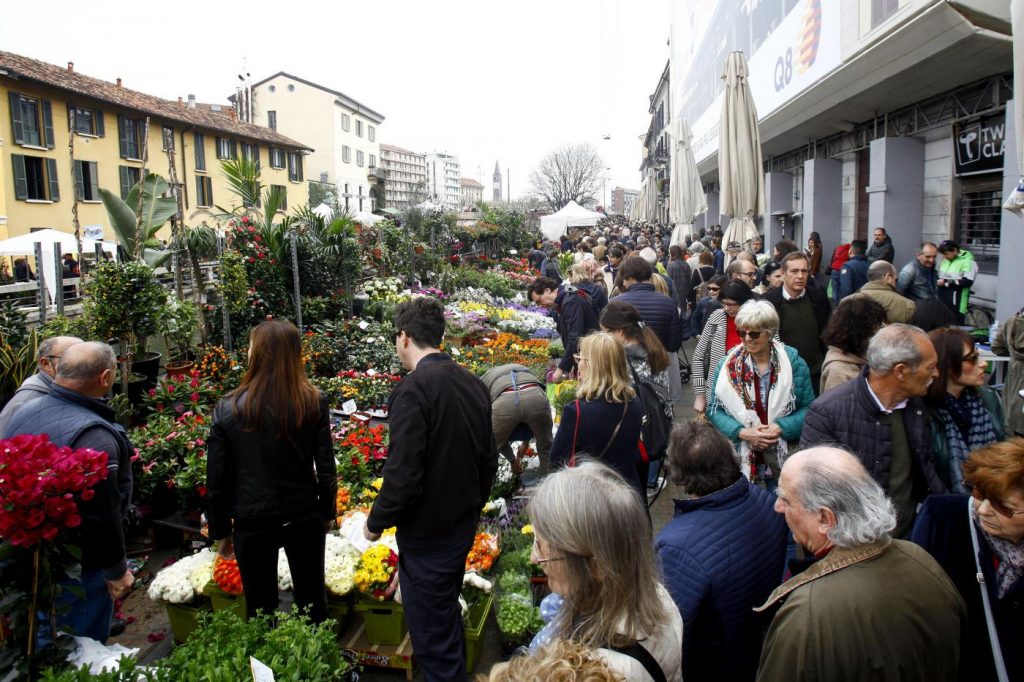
[198, 243]
[137, 219]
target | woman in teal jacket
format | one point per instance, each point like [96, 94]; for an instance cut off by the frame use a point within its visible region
[762, 389]
[963, 413]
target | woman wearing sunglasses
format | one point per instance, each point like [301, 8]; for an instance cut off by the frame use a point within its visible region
[761, 391]
[979, 541]
[964, 413]
[717, 339]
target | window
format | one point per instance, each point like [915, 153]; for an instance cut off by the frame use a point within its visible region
[276, 157]
[129, 177]
[346, 122]
[283, 192]
[251, 152]
[168, 139]
[346, 153]
[204, 191]
[371, 133]
[32, 120]
[129, 132]
[200, 143]
[373, 161]
[86, 121]
[359, 158]
[882, 10]
[272, 120]
[980, 220]
[87, 181]
[295, 166]
[226, 149]
[359, 128]
[35, 178]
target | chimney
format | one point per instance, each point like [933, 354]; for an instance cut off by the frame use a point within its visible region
[233, 113]
[119, 81]
[179, 101]
[191, 101]
[71, 67]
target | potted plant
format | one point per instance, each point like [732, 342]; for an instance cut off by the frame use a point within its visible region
[179, 324]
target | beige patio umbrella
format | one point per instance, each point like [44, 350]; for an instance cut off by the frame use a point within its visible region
[686, 194]
[740, 168]
[1015, 202]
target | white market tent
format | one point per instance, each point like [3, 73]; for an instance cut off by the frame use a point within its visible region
[25, 245]
[364, 218]
[571, 215]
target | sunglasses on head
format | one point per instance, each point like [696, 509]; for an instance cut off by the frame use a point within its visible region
[752, 335]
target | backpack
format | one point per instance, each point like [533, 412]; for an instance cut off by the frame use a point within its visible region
[702, 288]
[657, 426]
[839, 258]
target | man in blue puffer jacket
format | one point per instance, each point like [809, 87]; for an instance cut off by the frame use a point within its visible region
[657, 310]
[721, 555]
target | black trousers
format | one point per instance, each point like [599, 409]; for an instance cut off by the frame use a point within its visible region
[430, 575]
[256, 548]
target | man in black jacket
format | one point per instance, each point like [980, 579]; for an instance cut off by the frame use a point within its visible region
[575, 313]
[441, 463]
[72, 415]
[881, 418]
[803, 313]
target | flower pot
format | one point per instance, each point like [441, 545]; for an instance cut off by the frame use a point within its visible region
[475, 621]
[178, 368]
[136, 389]
[149, 367]
[220, 600]
[340, 609]
[384, 621]
[184, 618]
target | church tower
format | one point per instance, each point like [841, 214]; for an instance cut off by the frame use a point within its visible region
[497, 183]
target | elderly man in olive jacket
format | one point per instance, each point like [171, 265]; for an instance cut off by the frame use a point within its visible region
[870, 608]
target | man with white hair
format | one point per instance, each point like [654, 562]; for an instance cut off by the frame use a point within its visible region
[880, 416]
[871, 607]
[47, 359]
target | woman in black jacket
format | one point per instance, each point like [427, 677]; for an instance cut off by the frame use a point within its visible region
[270, 473]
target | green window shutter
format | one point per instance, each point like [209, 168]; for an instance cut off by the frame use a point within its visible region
[51, 175]
[47, 124]
[198, 141]
[234, 149]
[199, 190]
[98, 115]
[298, 164]
[126, 181]
[94, 181]
[256, 155]
[79, 181]
[20, 181]
[124, 135]
[19, 130]
[72, 124]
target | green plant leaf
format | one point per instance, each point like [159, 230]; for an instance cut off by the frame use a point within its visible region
[122, 218]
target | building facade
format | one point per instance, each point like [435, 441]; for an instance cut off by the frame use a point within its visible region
[622, 201]
[472, 192]
[858, 131]
[443, 180]
[654, 166]
[344, 133]
[405, 176]
[44, 106]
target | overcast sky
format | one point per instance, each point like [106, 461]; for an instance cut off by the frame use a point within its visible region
[486, 80]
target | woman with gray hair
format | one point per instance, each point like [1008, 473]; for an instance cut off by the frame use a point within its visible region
[593, 540]
[761, 392]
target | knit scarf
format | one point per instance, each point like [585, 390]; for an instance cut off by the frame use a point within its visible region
[967, 426]
[1010, 557]
[734, 389]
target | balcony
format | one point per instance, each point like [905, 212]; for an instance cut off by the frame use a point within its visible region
[376, 174]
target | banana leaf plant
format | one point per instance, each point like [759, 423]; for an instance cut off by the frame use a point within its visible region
[136, 219]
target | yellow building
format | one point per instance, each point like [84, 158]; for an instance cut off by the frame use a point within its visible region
[41, 104]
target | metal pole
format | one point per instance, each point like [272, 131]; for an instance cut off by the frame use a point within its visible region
[225, 313]
[58, 270]
[294, 238]
[40, 282]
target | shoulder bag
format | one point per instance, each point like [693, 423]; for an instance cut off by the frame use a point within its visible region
[576, 432]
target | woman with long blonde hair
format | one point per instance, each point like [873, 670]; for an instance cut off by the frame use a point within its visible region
[604, 421]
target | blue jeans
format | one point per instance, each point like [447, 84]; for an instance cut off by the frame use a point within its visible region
[87, 615]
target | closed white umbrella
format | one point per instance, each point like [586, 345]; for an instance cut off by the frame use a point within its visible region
[686, 198]
[740, 167]
[324, 211]
[1015, 202]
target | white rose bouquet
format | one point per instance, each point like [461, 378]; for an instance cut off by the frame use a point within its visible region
[180, 582]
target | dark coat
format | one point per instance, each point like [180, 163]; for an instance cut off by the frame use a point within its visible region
[658, 311]
[595, 426]
[942, 529]
[819, 301]
[441, 457]
[721, 556]
[853, 276]
[576, 315]
[679, 273]
[848, 415]
[549, 268]
[259, 476]
[885, 251]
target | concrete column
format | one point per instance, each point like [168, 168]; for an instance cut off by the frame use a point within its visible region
[823, 202]
[778, 209]
[896, 192]
[712, 216]
[1010, 283]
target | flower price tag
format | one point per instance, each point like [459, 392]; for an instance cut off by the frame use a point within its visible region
[363, 325]
[349, 406]
[371, 372]
[261, 672]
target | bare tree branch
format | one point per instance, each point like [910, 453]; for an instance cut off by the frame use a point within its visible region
[570, 173]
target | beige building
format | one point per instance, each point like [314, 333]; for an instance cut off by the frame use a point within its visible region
[472, 192]
[405, 176]
[344, 133]
[42, 105]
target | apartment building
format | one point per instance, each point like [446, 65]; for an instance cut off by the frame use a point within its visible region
[444, 184]
[405, 176]
[472, 192]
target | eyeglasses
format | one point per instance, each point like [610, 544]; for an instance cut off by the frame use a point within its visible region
[749, 274]
[972, 357]
[752, 335]
[977, 494]
[579, 358]
[547, 561]
[51, 358]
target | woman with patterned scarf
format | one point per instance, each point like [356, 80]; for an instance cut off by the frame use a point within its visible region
[762, 389]
[964, 414]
